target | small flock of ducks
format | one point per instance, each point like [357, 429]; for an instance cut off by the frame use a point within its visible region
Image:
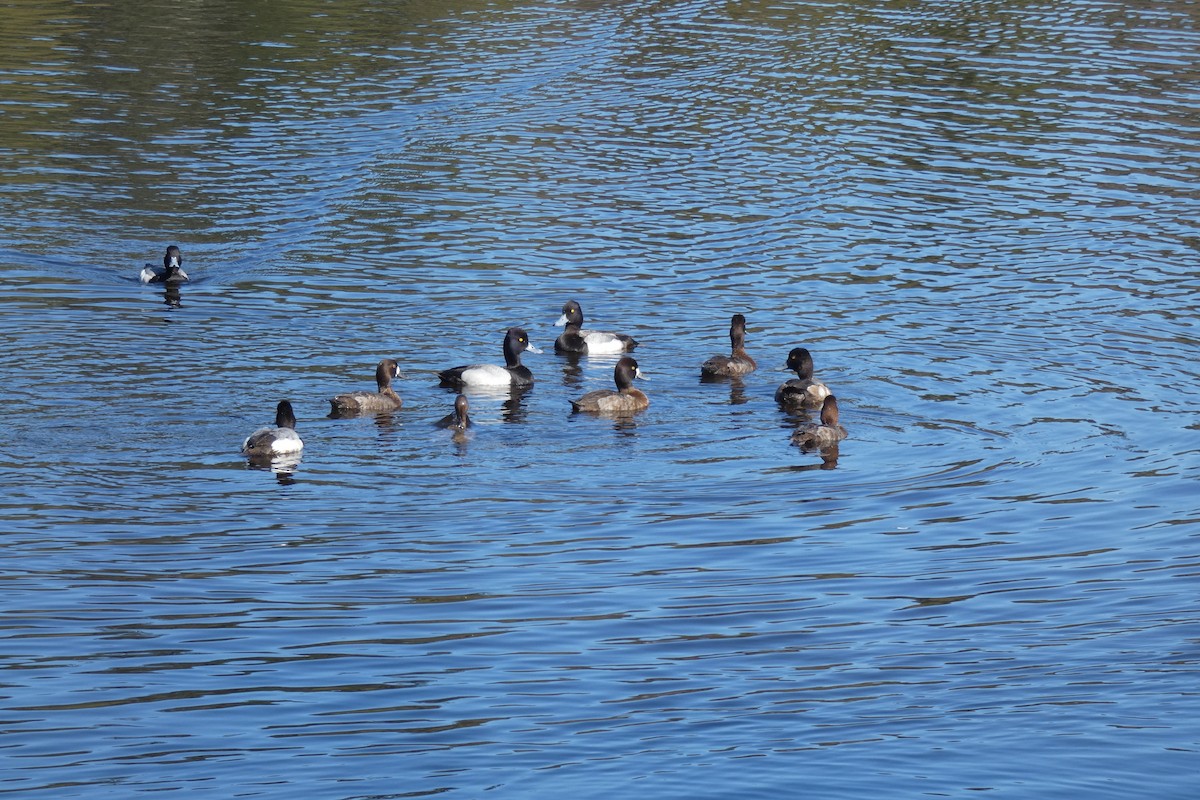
[802, 392]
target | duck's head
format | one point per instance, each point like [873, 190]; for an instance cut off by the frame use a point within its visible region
[572, 314]
[387, 369]
[829, 411]
[284, 416]
[800, 361]
[516, 340]
[625, 371]
[737, 329]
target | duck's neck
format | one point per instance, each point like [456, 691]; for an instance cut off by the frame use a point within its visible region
[512, 356]
[737, 343]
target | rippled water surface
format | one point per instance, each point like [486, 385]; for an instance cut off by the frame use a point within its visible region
[980, 217]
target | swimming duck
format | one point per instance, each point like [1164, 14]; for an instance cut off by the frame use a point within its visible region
[170, 272]
[363, 401]
[513, 373]
[737, 362]
[829, 432]
[625, 399]
[801, 391]
[576, 340]
[459, 420]
[279, 440]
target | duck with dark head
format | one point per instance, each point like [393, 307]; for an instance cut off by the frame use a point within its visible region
[738, 362]
[803, 391]
[625, 400]
[170, 272]
[366, 402]
[812, 436]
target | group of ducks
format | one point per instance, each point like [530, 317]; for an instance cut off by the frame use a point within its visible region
[801, 392]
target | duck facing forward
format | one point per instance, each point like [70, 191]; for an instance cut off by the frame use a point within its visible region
[626, 399]
[576, 340]
[802, 391]
[170, 272]
[813, 436]
[280, 440]
[460, 420]
[364, 402]
[512, 374]
[737, 362]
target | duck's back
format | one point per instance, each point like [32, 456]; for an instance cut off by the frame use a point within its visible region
[605, 343]
[801, 393]
[607, 400]
[728, 365]
[365, 401]
[271, 441]
[814, 435]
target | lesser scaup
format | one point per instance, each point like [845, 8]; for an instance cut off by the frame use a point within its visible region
[513, 373]
[459, 420]
[829, 432]
[801, 391]
[170, 272]
[624, 400]
[363, 401]
[576, 340]
[280, 440]
[737, 362]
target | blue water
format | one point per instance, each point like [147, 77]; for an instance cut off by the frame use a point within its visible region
[980, 218]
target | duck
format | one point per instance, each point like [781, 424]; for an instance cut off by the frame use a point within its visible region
[363, 401]
[829, 432]
[280, 440]
[576, 340]
[801, 391]
[625, 399]
[460, 420]
[512, 374]
[170, 272]
[737, 362]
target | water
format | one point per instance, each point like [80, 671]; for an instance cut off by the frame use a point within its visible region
[979, 217]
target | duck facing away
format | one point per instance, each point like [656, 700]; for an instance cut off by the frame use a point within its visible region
[280, 440]
[364, 402]
[513, 373]
[802, 391]
[813, 436]
[170, 272]
[737, 362]
[460, 420]
[626, 399]
[576, 340]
